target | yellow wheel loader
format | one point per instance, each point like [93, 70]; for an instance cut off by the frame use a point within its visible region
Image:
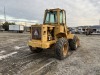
[53, 33]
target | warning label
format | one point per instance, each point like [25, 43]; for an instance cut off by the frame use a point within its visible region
[36, 32]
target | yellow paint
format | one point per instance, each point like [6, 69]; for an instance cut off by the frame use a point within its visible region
[36, 43]
[59, 29]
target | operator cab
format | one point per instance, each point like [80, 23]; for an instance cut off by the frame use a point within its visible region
[55, 16]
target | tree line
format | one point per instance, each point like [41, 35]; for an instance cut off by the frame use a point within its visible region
[6, 25]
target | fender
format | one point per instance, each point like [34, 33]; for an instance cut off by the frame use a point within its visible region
[70, 36]
[60, 35]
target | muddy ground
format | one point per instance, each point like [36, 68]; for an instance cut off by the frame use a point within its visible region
[17, 59]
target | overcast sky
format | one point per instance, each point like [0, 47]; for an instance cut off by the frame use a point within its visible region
[79, 12]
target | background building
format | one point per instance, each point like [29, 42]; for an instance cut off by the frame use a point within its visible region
[26, 24]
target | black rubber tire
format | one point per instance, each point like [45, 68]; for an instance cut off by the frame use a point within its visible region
[38, 50]
[35, 50]
[72, 43]
[59, 48]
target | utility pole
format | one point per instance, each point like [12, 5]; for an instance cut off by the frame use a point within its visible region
[99, 22]
[4, 14]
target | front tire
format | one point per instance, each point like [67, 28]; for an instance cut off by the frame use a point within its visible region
[74, 43]
[61, 48]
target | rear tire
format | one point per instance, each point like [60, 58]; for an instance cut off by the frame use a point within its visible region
[61, 48]
[35, 50]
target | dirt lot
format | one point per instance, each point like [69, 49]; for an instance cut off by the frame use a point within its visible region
[17, 59]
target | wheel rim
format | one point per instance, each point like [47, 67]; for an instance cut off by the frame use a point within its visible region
[65, 50]
[76, 44]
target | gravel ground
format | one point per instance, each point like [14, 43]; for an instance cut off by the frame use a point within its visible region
[17, 59]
